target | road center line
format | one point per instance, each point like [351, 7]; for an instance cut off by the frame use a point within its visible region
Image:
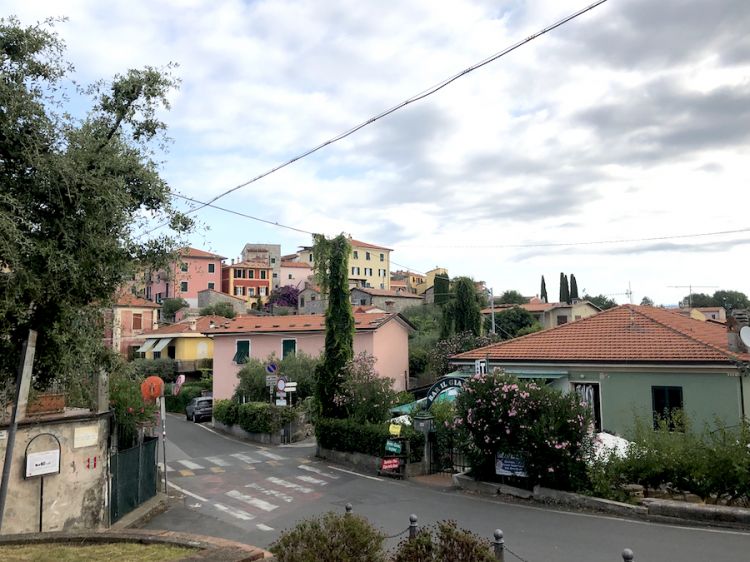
[355, 473]
[309, 468]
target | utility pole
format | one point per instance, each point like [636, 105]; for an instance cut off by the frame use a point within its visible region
[690, 290]
[492, 308]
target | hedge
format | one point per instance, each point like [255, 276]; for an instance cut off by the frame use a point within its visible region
[351, 437]
[187, 393]
[254, 417]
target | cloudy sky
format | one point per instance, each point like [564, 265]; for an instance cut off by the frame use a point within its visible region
[630, 122]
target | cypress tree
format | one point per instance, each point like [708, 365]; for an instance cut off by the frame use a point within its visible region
[441, 288]
[331, 259]
[467, 316]
[573, 288]
[564, 289]
[543, 294]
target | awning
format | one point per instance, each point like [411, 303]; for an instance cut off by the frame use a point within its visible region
[162, 344]
[147, 345]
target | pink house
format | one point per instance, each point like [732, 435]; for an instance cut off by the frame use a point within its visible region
[295, 273]
[196, 271]
[384, 336]
[127, 322]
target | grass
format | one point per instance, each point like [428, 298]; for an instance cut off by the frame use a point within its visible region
[94, 553]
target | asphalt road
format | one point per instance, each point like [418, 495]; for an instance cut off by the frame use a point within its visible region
[243, 492]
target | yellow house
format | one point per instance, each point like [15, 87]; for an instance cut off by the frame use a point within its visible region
[429, 279]
[369, 265]
[183, 341]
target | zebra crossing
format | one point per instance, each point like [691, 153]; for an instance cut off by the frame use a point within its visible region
[188, 467]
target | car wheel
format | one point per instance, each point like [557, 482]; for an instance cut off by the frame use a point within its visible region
[187, 417]
[194, 418]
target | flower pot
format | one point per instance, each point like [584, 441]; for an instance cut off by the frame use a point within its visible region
[46, 404]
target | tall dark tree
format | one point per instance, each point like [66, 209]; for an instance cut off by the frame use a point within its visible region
[75, 196]
[698, 299]
[441, 288]
[463, 311]
[543, 293]
[731, 300]
[573, 288]
[564, 288]
[331, 259]
[645, 301]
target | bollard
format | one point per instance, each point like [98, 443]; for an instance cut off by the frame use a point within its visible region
[499, 545]
[627, 555]
[413, 527]
[348, 508]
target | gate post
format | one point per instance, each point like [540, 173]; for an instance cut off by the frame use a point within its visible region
[499, 546]
[627, 555]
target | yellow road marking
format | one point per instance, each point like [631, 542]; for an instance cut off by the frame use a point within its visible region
[216, 469]
[186, 472]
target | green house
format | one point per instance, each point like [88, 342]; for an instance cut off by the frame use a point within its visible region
[633, 361]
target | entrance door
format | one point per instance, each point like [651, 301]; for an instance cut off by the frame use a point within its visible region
[590, 394]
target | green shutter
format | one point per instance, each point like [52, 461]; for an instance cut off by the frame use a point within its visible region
[288, 347]
[243, 352]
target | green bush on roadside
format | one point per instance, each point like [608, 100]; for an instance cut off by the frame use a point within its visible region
[254, 417]
[188, 391]
[367, 438]
[444, 542]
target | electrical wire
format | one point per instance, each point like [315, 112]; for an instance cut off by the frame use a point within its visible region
[417, 97]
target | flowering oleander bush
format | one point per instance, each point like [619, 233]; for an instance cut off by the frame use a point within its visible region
[129, 408]
[364, 396]
[544, 427]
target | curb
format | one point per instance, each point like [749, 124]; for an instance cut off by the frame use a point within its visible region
[143, 513]
[656, 510]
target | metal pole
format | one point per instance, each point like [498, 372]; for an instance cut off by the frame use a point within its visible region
[499, 545]
[163, 413]
[41, 501]
[492, 307]
[627, 555]
[24, 372]
[348, 508]
[413, 527]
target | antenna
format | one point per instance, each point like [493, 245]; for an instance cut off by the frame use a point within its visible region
[690, 289]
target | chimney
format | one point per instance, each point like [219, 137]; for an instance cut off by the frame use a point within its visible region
[733, 336]
[193, 324]
[232, 261]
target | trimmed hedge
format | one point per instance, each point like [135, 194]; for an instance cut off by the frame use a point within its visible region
[351, 437]
[254, 417]
[187, 393]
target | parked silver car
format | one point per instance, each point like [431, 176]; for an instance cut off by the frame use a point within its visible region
[199, 408]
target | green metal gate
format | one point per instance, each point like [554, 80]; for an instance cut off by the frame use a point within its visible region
[133, 477]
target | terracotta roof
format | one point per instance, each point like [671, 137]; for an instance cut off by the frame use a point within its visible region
[196, 253]
[129, 299]
[298, 264]
[386, 293]
[289, 257]
[202, 324]
[301, 323]
[360, 244]
[624, 334]
[259, 264]
[536, 306]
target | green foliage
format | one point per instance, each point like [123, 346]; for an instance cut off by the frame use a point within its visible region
[365, 397]
[698, 300]
[601, 301]
[441, 289]
[564, 288]
[446, 438]
[297, 367]
[544, 427]
[428, 320]
[75, 197]
[188, 391]
[170, 307]
[331, 259]
[226, 411]
[164, 367]
[334, 537]
[573, 288]
[445, 542]
[543, 292]
[512, 297]
[513, 322]
[221, 308]
[350, 436]
[731, 300]
[462, 313]
[646, 301]
[129, 409]
[439, 363]
[262, 417]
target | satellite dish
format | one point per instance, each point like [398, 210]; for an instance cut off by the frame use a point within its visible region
[745, 336]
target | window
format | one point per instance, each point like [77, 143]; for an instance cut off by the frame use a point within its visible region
[238, 291]
[251, 274]
[310, 258]
[562, 320]
[666, 401]
[355, 254]
[239, 273]
[172, 352]
[183, 286]
[262, 273]
[275, 275]
[368, 271]
[288, 347]
[157, 354]
[148, 293]
[382, 285]
[137, 321]
[578, 316]
[382, 257]
[363, 302]
[251, 291]
[302, 301]
[367, 255]
[183, 267]
[211, 286]
[262, 291]
[290, 276]
[211, 267]
[273, 260]
[242, 352]
[352, 271]
[312, 297]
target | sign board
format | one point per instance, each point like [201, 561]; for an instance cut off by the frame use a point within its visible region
[43, 462]
[441, 386]
[178, 385]
[394, 429]
[271, 380]
[281, 401]
[506, 465]
[281, 384]
[390, 464]
[271, 368]
[393, 446]
[480, 367]
[85, 436]
[290, 387]
[3, 434]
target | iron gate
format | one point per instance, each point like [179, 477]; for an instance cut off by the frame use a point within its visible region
[445, 454]
[132, 477]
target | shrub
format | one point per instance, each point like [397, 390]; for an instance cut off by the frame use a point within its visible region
[297, 367]
[226, 412]
[350, 436]
[164, 367]
[365, 397]
[343, 538]
[262, 417]
[221, 308]
[542, 426]
[129, 408]
[445, 542]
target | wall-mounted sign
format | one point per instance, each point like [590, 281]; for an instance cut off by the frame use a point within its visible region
[393, 446]
[43, 462]
[85, 436]
[506, 465]
[271, 380]
[281, 401]
[440, 387]
[394, 429]
[271, 368]
[390, 464]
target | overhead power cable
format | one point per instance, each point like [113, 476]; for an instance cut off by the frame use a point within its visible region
[415, 98]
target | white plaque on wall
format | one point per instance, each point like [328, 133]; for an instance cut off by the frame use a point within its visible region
[85, 436]
[43, 462]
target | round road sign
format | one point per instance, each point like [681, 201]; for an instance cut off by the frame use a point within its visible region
[271, 368]
[281, 384]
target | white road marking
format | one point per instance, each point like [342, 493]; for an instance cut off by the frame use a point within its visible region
[317, 471]
[272, 456]
[290, 485]
[355, 473]
[263, 527]
[311, 480]
[185, 492]
[273, 493]
[250, 500]
[217, 461]
[195, 505]
[238, 513]
[245, 458]
[169, 468]
[191, 465]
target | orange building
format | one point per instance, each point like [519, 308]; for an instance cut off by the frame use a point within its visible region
[247, 279]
